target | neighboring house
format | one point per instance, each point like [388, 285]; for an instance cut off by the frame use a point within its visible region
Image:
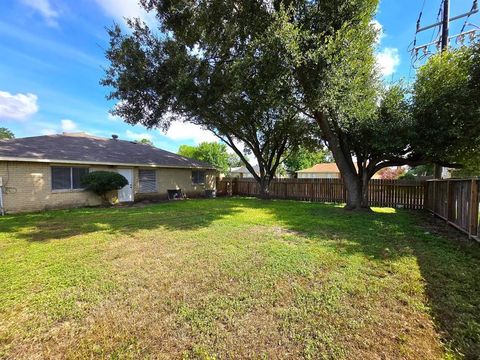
[44, 172]
[322, 171]
[243, 173]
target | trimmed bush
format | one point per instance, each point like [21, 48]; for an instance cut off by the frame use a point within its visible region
[102, 182]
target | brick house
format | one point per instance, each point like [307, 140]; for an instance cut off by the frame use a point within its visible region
[44, 172]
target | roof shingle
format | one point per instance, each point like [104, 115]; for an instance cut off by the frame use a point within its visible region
[82, 147]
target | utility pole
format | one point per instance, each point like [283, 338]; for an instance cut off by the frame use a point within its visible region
[438, 169]
[445, 24]
[444, 39]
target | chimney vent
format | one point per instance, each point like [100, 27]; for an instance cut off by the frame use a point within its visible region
[115, 137]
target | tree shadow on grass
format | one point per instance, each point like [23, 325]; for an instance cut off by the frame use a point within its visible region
[449, 265]
[60, 224]
[448, 262]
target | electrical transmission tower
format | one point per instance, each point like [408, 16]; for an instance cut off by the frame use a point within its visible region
[442, 40]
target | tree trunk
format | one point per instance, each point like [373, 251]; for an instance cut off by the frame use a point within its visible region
[352, 181]
[265, 187]
[365, 181]
[437, 171]
[353, 185]
[357, 192]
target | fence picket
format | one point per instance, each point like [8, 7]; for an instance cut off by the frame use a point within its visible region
[393, 193]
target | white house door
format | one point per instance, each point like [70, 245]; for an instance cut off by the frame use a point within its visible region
[125, 194]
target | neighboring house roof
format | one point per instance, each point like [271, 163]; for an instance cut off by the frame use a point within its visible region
[321, 168]
[83, 148]
[244, 170]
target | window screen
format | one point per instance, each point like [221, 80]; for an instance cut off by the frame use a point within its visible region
[61, 178]
[67, 178]
[147, 181]
[77, 174]
[198, 177]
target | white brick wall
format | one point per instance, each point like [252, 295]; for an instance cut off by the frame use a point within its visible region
[27, 186]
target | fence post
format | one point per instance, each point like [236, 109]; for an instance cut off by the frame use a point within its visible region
[425, 195]
[447, 207]
[473, 220]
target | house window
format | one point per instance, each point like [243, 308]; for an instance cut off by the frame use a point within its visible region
[67, 178]
[147, 181]
[198, 177]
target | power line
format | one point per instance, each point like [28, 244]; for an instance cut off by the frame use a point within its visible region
[474, 7]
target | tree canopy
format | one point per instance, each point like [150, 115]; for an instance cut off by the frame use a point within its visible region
[6, 133]
[212, 67]
[146, 141]
[446, 107]
[213, 153]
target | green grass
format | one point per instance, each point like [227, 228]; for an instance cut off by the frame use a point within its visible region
[236, 278]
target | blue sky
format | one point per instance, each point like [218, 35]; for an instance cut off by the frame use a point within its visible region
[52, 54]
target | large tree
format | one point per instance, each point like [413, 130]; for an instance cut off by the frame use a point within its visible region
[329, 46]
[262, 72]
[206, 64]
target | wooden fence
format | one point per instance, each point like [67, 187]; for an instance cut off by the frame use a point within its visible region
[457, 202]
[392, 193]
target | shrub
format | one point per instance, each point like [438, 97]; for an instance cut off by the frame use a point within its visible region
[102, 182]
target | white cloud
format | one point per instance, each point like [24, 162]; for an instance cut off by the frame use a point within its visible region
[19, 106]
[187, 131]
[45, 9]
[387, 61]
[68, 125]
[120, 9]
[138, 136]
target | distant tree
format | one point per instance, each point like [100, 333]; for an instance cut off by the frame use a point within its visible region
[213, 153]
[302, 158]
[102, 182]
[234, 161]
[188, 151]
[146, 141]
[6, 133]
[420, 170]
[468, 171]
[391, 173]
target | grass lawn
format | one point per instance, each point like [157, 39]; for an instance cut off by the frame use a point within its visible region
[236, 278]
